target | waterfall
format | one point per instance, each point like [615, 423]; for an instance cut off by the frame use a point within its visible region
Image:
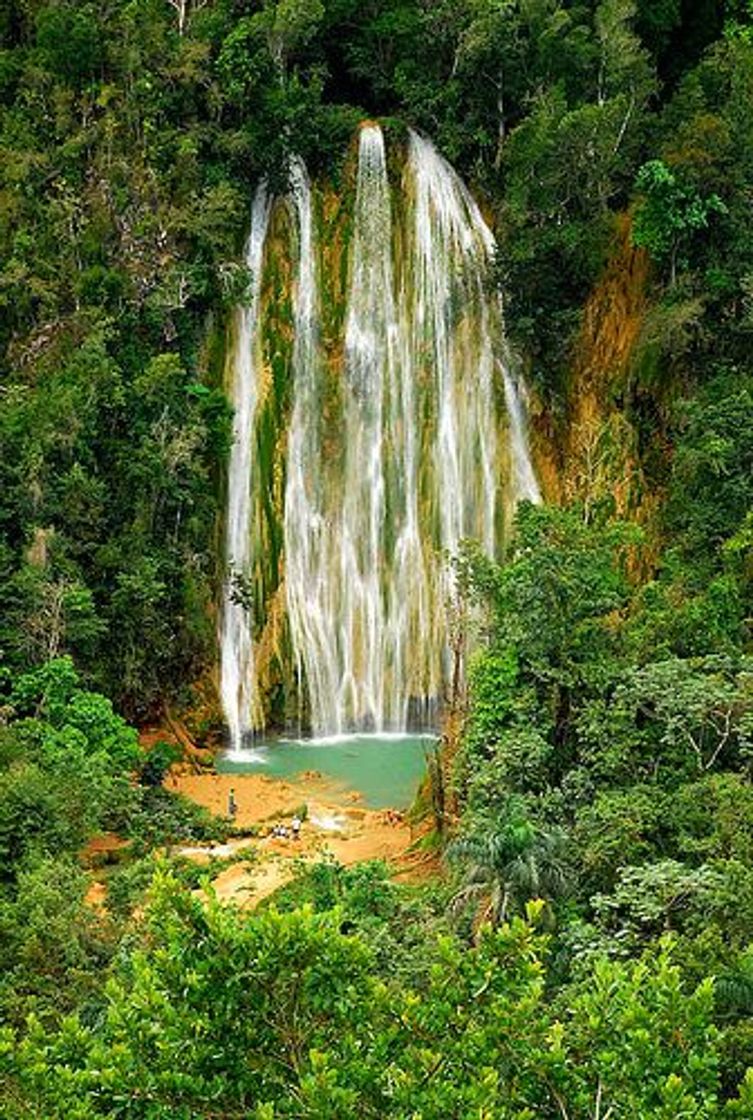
[452, 326]
[370, 343]
[310, 540]
[236, 638]
[395, 449]
[525, 484]
[460, 329]
[355, 579]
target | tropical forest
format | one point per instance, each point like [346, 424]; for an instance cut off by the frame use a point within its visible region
[376, 560]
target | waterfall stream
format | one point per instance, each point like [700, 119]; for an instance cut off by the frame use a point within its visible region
[236, 639]
[389, 470]
[310, 540]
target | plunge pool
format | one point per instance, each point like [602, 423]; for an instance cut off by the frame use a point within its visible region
[386, 769]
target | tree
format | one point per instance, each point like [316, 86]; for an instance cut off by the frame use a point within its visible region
[507, 865]
[54, 945]
[670, 213]
[739, 20]
[184, 8]
[694, 715]
[564, 576]
[647, 1045]
[276, 1015]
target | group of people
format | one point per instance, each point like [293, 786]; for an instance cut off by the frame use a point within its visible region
[280, 830]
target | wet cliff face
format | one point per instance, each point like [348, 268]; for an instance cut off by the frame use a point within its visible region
[387, 426]
[589, 452]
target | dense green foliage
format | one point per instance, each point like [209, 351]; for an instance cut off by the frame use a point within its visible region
[284, 1015]
[604, 767]
[70, 767]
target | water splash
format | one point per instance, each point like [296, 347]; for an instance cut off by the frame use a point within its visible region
[236, 638]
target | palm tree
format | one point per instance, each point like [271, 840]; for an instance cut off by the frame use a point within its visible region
[506, 866]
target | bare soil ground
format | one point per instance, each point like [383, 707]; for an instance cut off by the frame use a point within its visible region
[335, 826]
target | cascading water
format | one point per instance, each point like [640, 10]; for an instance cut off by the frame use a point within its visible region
[393, 458]
[349, 602]
[236, 638]
[524, 483]
[451, 325]
[370, 344]
[309, 533]
[460, 332]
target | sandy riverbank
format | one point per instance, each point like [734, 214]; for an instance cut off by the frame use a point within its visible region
[335, 827]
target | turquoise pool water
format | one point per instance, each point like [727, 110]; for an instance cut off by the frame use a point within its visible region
[385, 769]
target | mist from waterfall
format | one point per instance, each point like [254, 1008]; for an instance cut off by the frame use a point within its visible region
[386, 474]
